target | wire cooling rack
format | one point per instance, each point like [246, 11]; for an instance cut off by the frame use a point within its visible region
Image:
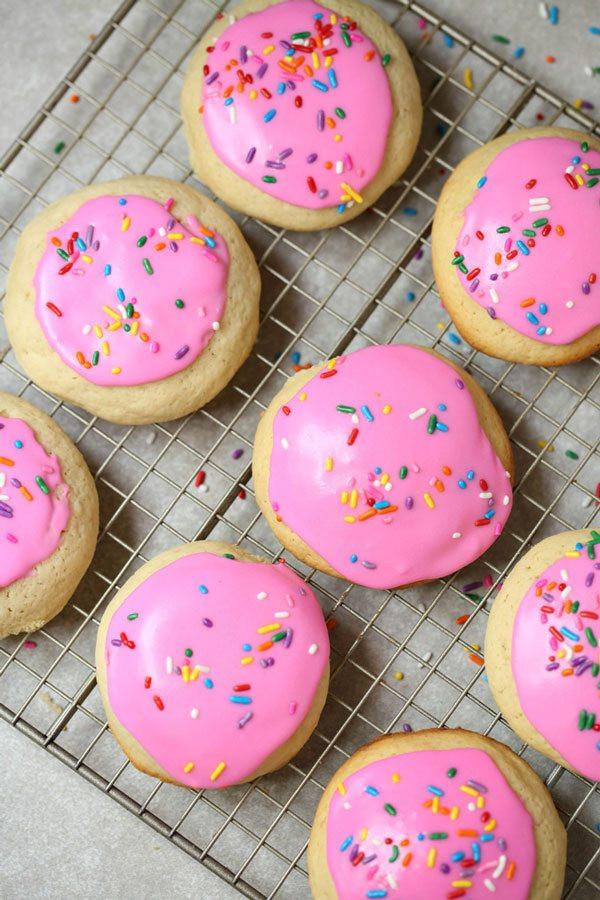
[397, 658]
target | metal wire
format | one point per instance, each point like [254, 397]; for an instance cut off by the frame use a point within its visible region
[323, 293]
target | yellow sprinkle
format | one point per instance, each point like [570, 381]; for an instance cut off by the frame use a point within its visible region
[341, 788]
[354, 499]
[585, 166]
[440, 326]
[315, 61]
[429, 501]
[264, 629]
[435, 805]
[384, 478]
[349, 190]
[115, 326]
[185, 671]
[97, 331]
[175, 236]
[468, 78]
[328, 61]
[246, 660]
[468, 790]
[489, 826]
[105, 348]
[110, 312]
[188, 767]
[195, 674]
[328, 464]
[344, 497]
[386, 409]
[196, 240]
[338, 137]
[253, 95]
[333, 18]
[125, 223]
[542, 443]
[480, 802]
[431, 858]
[462, 883]
[349, 519]
[476, 646]
[116, 370]
[134, 328]
[86, 258]
[579, 179]
[395, 777]
[302, 396]
[269, 49]
[345, 198]
[332, 363]
[220, 768]
[399, 676]
[454, 812]
[573, 553]
[363, 834]
[577, 103]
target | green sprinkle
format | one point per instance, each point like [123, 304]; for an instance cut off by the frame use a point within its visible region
[456, 261]
[503, 229]
[58, 148]
[62, 253]
[593, 172]
[278, 637]
[431, 424]
[571, 454]
[346, 409]
[582, 720]
[342, 115]
[591, 638]
[463, 268]
[528, 232]
[179, 304]
[474, 597]
[132, 616]
[188, 652]
[390, 809]
[147, 266]
[270, 179]
[385, 60]
[591, 719]
[403, 472]
[539, 222]
[575, 606]
[592, 182]
[300, 35]
[346, 39]
[451, 772]
[141, 241]
[126, 327]
[95, 358]
[500, 39]
[595, 670]
[394, 855]
[129, 310]
[438, 836]
[590, 544]
[585, 146]
[229, 556]
[42, 484]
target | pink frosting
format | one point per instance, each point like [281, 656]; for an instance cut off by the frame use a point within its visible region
[555, 655]
[380, 465]
[304, 118]
[34, 505]
[125, 294]
[214, 680]
[530, 234]
[430, 824]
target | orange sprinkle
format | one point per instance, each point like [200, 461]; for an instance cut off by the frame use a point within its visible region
[462, 619]
[578, 648]
[74, 98]
[265, 646]
[144, 337]
[55, 241]
[567, 672]
[26, 493]
[476, 659]
[446, 470]
[498, 258]
[328, 165]
[439, 485]
[330, 121]
[550, 59]
[160, 246]
[407, 859]
[367, 515]
[369, 56]
[80, 357]
[529, 302]
[404, 842]
[207, 232]
[228, 91]
[4, 461]
[559, 230]
[511, 871]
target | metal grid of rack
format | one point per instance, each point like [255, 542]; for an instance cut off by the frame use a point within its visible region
[323, 293]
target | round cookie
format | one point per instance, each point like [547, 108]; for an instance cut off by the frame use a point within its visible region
[388, 466]
[301, 113]
[48, 517]
[514, 247]
[541, 650]
[212, 665]
[136, 299]
[436, 814]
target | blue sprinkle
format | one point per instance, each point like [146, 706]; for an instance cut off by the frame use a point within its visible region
[541, 330]
[440, 426]
[320, 85]
[470, 474]
[80, 244]
[579, 545]
[371, 790]
[532, 318]
[247, 647]
[203, 589]
[454, 338]
[295, 357]
[123, 201]
[421, 836]
[482, 181]
[435, 790]
[346, 844]
[575, 160]
[367, 413]
[569, 634]
[553, 15]
[410, 296]
[449, 41]
[543, 309]
[523, 248]
[229, 101]
[245, 700]
[476, 851]
[456, 857]
[18, 444]
[441, 129]
[353, 558]
[381, 504]
[281, 87]
[409, 211]
[442, 406]
[107, 269]
[208, 682]
[490, 514]
[487, 837]
[378, 470]
[341, 208]
[269, 115]
[120, 294]
[377, 893]
[317, 15]
[210, 241]
[333, 79]
[593, 29]
[519, 52]
[462, 484]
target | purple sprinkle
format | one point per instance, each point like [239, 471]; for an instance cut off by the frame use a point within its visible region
[89, 235]
[237, 453]
[243, 54]
[182, 351]
[271, 164]
[173, 246]
[245, 718]
[250, 154]
[207, 622]
[409, 503]
[17, 484]
[577, 660]
[116, 642]
[177, 670]
[270, 661]
[353, 852]
[323, 193]
[494, 276]
[285, 153]
[263, 663]
[320, 120]
[445, 868]
[491, 312]
[477, 786]
[502, 843]
[302, 592]
[459, 384]
[585, 287]
[584, 667]
[552, 666]
[291, 85]
[6, 511]
[311, 158]
[285, 44]
[419, 253]
[588, 579]
[474, 285]
[288, 638]
[548, 597]
[369, 859]
[472, 586]
[261, 70]
[406, 727]
[96, 246]
[368, 565]
[1, 426]
[212, 78]
[170, 224]
[585, 104]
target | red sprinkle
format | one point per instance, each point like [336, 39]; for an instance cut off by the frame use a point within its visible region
[311, 184]
[556, 634]
[147, 681]
[65, 269]
[511, 255]
[592, 278]
[531, 184]
[462, 619]
[483, 521]
[479, 234]
[328, 373]
[54, 309]
[352, 436]
[298, 101]
[242, 494]
[473, 274]
[158, 702]
[200, 478]
[330, 624]
[483, 484]
[546, 230]
[571, 181]
[241, 687]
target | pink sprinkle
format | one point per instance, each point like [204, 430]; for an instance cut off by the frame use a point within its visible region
[351, 482]
[293, 707]
[507, 244]
[371, 476]
[372, 871]
[225, 45]
[275, 507]
[169, 203]
[543, 618]
[541, 583]
[193, 221]
[47, 470]
[290, 600]
[209, 254]
[422, 23]
[488, 581]
[151, 232]
[31, 645]
[153, 347]
[357, 38]
[498, 529]
[516, 216]
[466, 240]
[360, 173]
[348, 164]
[11, 538]
[553, 643]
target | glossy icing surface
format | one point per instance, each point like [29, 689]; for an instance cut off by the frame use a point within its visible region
[296, 101]
[430, 824]
[126, 294]
[213, 663]
[527, 249]
[555, 655]
[34, 504]
[379, 464]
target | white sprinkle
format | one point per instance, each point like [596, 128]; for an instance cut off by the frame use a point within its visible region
[569, 304]
[162, 231]
[215, 326]
[201, 312]
[281, 615]
[194, 713]
[418, 413]
[347, 805]
[203, 488]
[415, 468]
[587, 501]
[284, 443]
[354, 419]
[2, 479]
[426, 657]
[262, 596]
[486, 495]
[588, 71]
[4, 497]
[456, 535]
[543, 10]
[548, 329]
[151, 437]
[564, 574]
[490, 885]
[506, 500]
[232, 114]
[512, 267]
[388, 486]
[392, 881]
[312, 649]
[566, 591]
[339, 167]
[533, 201]
[86, 329]
[500, 867]
[540, 208]
[494, 295]
[169, 665]
[202, 668]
